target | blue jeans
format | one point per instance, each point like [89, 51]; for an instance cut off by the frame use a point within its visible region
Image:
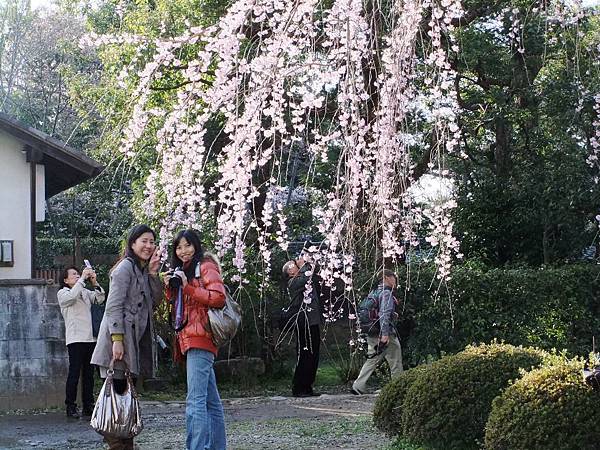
[203, 410]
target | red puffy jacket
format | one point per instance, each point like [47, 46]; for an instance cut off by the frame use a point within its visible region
[198, 295]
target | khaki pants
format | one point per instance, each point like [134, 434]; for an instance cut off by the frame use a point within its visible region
[393, 355]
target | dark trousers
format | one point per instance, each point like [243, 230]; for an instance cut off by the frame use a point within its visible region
[80, 354]
[308, 341]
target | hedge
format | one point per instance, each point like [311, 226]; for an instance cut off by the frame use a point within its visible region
[48, 248]
[447, 405]
[546, 308]
[549, 408]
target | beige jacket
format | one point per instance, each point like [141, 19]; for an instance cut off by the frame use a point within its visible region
[75, 305]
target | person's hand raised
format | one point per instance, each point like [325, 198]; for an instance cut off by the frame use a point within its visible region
[93, 278]
[87, 273]
[154, 263]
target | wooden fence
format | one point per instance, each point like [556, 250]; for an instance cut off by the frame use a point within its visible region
[48, 274]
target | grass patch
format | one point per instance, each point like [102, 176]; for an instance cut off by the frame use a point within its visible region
[280, 383]
[327, 375]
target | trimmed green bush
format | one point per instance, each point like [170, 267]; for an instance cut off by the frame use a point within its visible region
[447, 406]
[548, 408]
[402, 444]
[387, 412]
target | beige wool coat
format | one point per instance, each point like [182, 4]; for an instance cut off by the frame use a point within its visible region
[75, 306]
[132, 296]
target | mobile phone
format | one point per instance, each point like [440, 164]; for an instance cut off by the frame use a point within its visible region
[87, 264]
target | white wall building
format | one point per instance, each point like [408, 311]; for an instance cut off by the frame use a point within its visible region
[33, 355]
[33, 168]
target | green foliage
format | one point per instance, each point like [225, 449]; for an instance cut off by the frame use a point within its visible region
[347, 366]
[525, 193]
[98, 208]
[388, 409]
[547, 308]
[110, 98]
[447, 405]
[547, 408]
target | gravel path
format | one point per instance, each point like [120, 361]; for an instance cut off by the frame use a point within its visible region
[287, 423]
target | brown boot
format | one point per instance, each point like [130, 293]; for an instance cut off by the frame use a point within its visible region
[114, 443]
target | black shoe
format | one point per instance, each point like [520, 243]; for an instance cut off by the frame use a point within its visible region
[355, 391]
[72, 412]
[87, 410]
[307, 394]
[302, 394]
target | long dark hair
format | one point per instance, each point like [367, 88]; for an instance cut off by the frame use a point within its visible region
[64, 274]
[193, 237]
[133, 235]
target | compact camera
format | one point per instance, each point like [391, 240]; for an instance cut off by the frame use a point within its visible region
[175, 281]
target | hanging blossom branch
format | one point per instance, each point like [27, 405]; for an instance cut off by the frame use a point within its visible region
[398, 216]
[346, 40]
[442, 101]
[593, 159]
[286, 76]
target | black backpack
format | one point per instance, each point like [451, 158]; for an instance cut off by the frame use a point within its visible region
[368, 313]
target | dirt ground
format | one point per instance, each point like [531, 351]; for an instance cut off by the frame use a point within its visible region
[327, 422]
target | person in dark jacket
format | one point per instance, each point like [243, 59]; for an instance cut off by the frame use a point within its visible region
[201, 287]
[306, 316]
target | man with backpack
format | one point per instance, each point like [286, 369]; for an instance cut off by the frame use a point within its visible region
[376, 314]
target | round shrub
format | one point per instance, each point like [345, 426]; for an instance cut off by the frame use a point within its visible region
[387, 413]
[548, 408]
[447, 406]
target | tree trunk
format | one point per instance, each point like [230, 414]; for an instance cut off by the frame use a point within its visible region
[502, 148]
[546, 248]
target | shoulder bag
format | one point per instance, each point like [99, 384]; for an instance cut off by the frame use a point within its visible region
[224, 322]
[117, 415]
[97, 311]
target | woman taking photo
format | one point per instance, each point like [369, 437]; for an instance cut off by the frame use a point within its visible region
[198, 278]
[127, 329]
[75, 305]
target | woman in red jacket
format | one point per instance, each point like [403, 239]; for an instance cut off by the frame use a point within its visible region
[193, 287]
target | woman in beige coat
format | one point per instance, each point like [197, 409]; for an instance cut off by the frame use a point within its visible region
[75, 305]
[127, 329]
